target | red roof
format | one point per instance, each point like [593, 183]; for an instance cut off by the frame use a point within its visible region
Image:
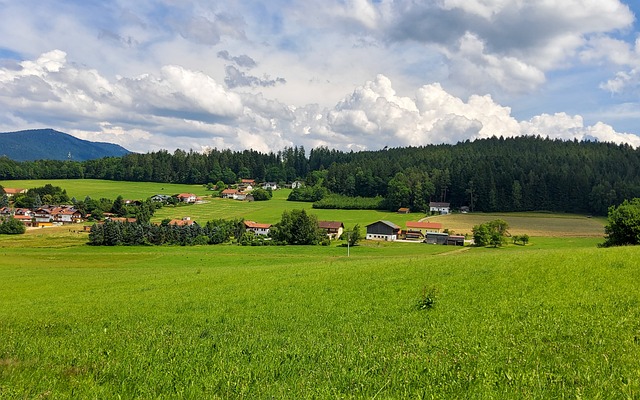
[230, 191]
[186, 195]
[423, 225]
[181, 222]
[251, 224]
[13, 190]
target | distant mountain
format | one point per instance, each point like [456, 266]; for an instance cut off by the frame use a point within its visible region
[49, 144]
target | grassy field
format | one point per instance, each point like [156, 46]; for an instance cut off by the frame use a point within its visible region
[96, 189]
[559, 318]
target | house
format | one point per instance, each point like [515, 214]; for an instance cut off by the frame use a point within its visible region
[122, 219]
[424, 227]
[10, 192]
[229, 194]
[297, 184]
[25, 219]
[185, 221]
[382, 230]
[404, 210]
[187, 197]
[160, 198]
[66, 215]
[464, 209]
[333, 229]
[440, 208]
[130, 202]
[258, 229]
[269, 185]
[247, 184]
[6, 212]
[436, 238]
[236, 195]
[43, 215]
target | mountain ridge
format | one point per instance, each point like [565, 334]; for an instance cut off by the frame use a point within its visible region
[28, 145]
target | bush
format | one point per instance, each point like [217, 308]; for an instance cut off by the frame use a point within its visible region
[490, 233]
[308, 193]
[336, 201]
[623, 226]
[12, 226]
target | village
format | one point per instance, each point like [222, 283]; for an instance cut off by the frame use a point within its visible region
[421, 231]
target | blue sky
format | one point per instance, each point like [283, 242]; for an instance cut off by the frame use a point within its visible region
[347, 74]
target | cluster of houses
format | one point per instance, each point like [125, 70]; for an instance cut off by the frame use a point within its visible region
[43, 216]
[242, 191]
[427, 232]
[423, 231]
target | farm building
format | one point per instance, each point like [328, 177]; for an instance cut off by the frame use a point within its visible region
[455, 240]
[383, 230]
[437, 238]
[440, 208]
[424, 227]
[333, 229]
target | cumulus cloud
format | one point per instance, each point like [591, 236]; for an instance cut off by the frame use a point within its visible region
[510, 43]
[181, 108]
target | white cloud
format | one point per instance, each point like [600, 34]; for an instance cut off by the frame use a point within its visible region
[155, 71]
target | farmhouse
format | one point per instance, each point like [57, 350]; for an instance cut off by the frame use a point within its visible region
[333, 229]
[229, 193]
[440, 208]
[404, 210]
[185, 221]
[382, 230]
[10, 192]
[270, 185]
[187, 197]
[423, 227]
[160, 198]
[258, 229]
[297, 184]
[236, 195]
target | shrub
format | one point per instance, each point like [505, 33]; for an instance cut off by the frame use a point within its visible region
[623, 226]
[12, 226]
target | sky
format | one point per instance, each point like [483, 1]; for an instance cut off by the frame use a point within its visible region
[346, 74]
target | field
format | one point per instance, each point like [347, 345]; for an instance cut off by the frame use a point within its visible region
[559, 318]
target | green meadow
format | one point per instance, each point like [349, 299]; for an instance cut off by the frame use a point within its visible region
[558, 318]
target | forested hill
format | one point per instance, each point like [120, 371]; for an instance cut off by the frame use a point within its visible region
[49, 144]
[513, 174]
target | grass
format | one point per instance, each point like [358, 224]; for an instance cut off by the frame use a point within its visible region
[557, 318]
[540, 321]
[96, 189]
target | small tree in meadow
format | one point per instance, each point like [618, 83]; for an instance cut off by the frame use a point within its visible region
[355, 235]
[490, 233]
[623, 227]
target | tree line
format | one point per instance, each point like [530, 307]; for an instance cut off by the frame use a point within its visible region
[496, 174]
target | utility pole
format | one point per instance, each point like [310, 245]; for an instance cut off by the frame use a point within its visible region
[348, 242]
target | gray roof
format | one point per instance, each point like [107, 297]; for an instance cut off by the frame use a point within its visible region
[388, 223]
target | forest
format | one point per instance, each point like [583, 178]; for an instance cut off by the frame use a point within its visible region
[495, 174]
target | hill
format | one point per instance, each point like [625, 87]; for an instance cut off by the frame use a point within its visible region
[49, 144]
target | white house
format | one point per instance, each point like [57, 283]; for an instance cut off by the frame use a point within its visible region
[440, 208]
[270, 185]
[258, 229]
